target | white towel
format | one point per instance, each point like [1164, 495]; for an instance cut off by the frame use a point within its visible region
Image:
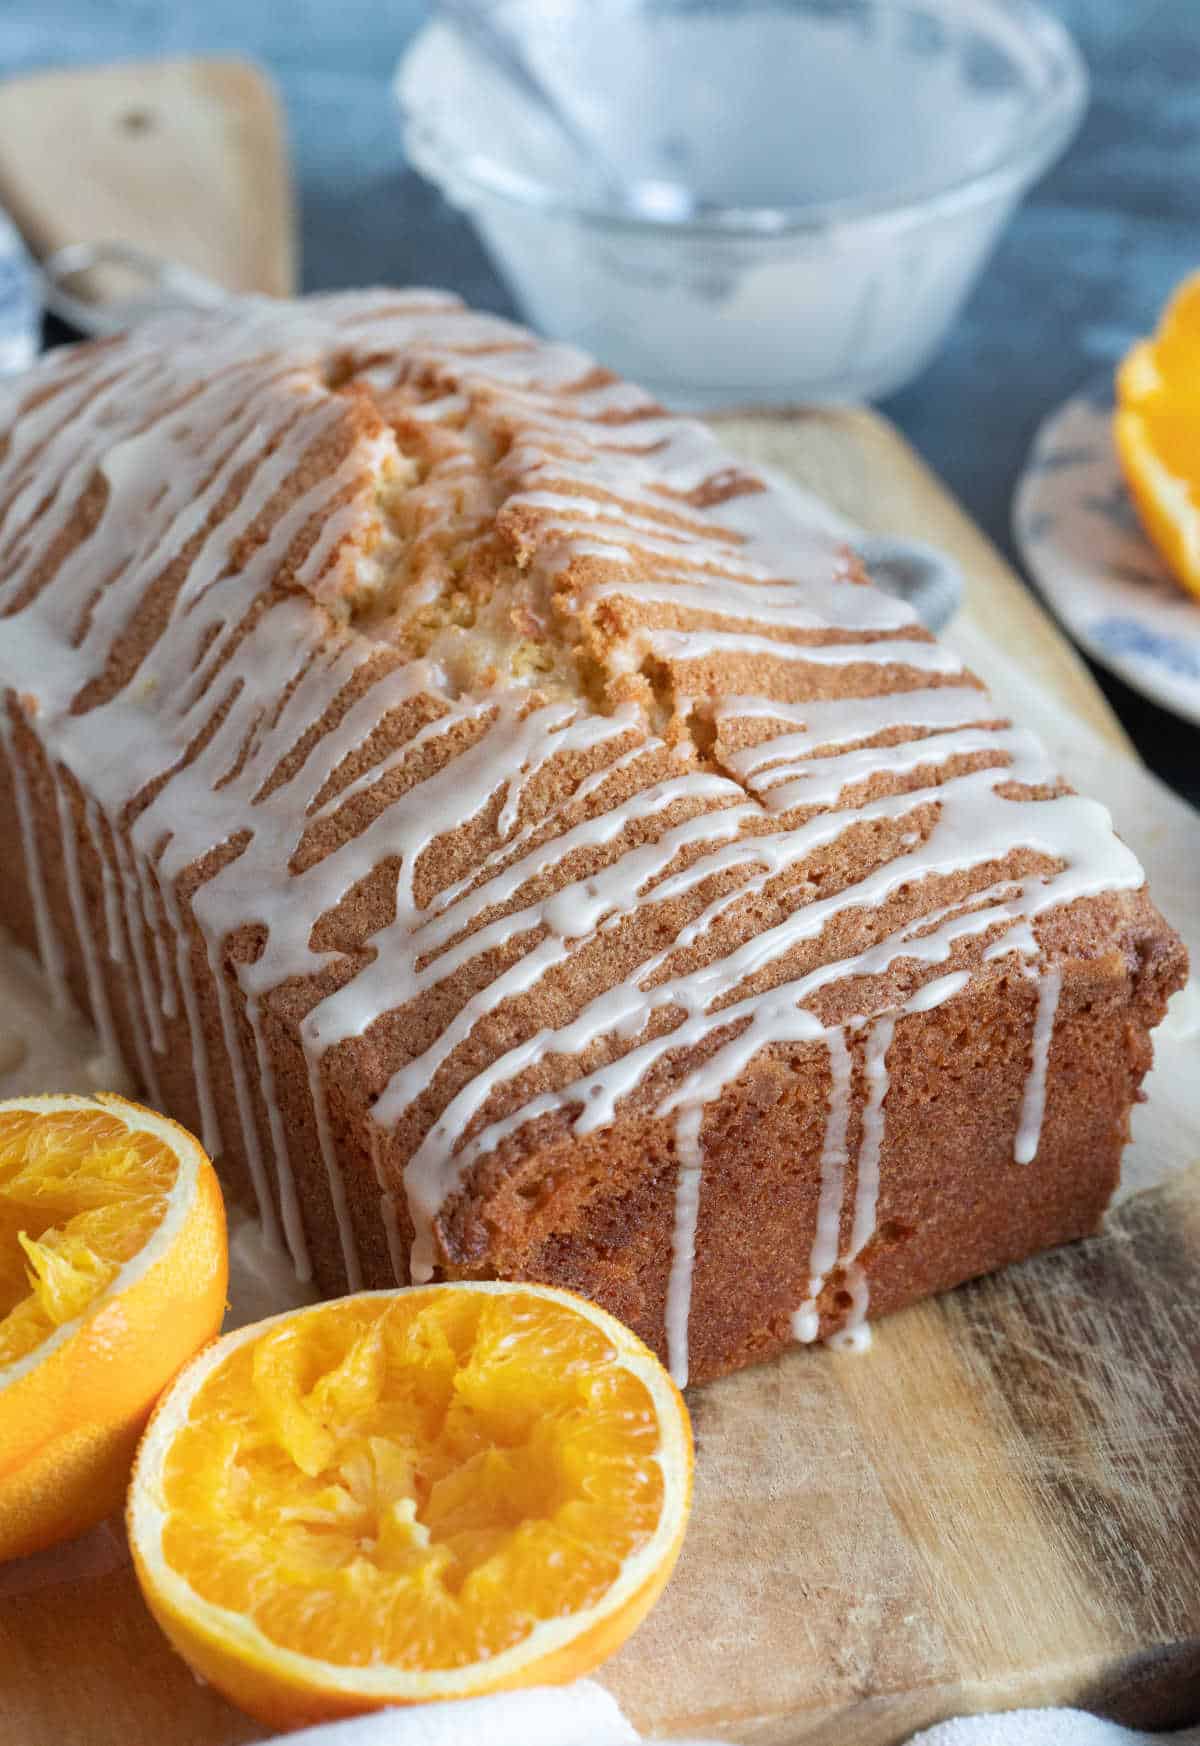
[1045, 1728]
[585, 1715]
[548, 1715]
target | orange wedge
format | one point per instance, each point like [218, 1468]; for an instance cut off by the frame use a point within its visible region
[1157, 432]
[113, 1269]
[410, 1495]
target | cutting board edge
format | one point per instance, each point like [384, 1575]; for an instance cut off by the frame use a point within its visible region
[250, 101]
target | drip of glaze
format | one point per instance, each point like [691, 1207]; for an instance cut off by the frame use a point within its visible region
[135, 930]
[49, 945]
[690, 1155]
[97, 993]
[820, 782]
[333, 1176]
[210, 1126]
[1033, 1103]
[854, 1335]
[147, 889]
[268, 1221]
[289, 1202]
[828, 724]
[806, 1322]
[120, 936]
[706, 645]
[388, 1210]
[866, 1187]
[110, 890]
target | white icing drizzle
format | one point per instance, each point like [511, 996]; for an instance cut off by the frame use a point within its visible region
[333, 1175]
[147, 893]
[690, 1153]
[210, 1126]
[853, 1335]
[186, 755]
[820, 781]
[834, 1158]
[705, 645]
[143, 1008]
[113, 925]
[389, 1213]
[866, 1188]
[1020, 940]
[1033, 1104]
[289, 1203]
[251, 1146]
[97, 993]
[135, 929]
[49, 944]
[806, 1322]
[828, 723]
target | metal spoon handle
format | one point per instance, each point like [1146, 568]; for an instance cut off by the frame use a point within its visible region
[169, 286]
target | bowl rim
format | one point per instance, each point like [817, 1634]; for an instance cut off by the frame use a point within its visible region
[471, 178]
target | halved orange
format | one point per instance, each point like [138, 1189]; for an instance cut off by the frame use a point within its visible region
[1156, 429]
[409, 1495]
[113, 1269]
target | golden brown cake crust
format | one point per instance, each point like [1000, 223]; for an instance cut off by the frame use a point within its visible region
[520, 842]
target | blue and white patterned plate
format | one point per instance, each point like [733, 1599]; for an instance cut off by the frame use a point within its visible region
[1079, 533]
[20, 305]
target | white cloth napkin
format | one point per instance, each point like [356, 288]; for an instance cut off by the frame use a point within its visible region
[585, 1715]
[548, 1715]
[1045, 1728]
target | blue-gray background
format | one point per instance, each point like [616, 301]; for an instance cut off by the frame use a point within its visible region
[1084, 267]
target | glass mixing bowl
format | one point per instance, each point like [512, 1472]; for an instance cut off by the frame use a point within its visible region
[848, 163]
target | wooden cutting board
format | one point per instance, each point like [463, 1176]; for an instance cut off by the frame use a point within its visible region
[998, 1505]
[185, 158]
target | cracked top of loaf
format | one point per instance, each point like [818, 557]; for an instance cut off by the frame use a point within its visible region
[531, 756]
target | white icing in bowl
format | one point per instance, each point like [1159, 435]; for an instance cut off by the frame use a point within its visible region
[850, 165]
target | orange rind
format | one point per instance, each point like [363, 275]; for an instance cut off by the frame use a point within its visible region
[411, 1495]
[113, 1271]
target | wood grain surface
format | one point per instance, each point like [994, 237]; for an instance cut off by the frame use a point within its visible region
[996, 1506]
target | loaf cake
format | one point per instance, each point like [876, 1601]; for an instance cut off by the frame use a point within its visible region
[521, 845]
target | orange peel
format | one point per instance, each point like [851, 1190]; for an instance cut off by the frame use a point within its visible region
[113, 1270]
[1156, 429]
[403, 1496]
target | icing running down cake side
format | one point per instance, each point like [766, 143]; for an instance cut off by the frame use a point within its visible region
[519, 845]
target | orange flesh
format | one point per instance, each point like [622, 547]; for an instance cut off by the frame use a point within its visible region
[1174, 437]
[417, 1481]
[1157, 431]
[80, 1195]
